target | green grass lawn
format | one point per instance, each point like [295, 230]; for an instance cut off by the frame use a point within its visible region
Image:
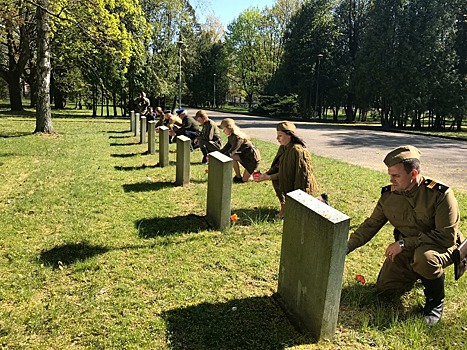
[99, 250]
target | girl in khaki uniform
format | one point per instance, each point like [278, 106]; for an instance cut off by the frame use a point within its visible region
[240, 148]
[291, 168]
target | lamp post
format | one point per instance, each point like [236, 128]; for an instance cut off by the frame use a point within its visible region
[318, 63]
[180, 44]
[214, 99]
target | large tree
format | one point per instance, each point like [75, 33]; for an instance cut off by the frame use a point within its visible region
[17, 31]
[250, 62]
[308, 46]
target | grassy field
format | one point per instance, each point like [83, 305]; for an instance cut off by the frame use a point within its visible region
[99, 250]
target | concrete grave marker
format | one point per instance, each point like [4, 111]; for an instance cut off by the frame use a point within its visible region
[163, 146]
[137, 124]
[152, 137]
[142, 138]
[132, 121]
[219, 190]
[182, 172]
[314, 244]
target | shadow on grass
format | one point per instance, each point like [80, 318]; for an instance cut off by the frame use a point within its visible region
[250, 323]
[125, 155]
[117, 132]
[119, 136]
[158, 227]
[15, 134]
[132, 168]
[124, 144]
[147, 187]
[70, 253]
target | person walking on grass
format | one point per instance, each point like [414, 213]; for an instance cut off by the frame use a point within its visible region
[291, 168]
[426, 217]
[242, 151]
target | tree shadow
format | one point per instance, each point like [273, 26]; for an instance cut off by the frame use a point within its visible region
[117, 132]
[125, 155]
[159, 227]
[70, 253]
[15, 134]
[25, 113]
[132, 168]
[147, 186]
[113, 144]
[250, 323]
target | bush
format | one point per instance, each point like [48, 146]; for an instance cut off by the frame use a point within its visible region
[277, 106]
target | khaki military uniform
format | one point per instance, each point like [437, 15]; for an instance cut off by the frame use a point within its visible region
[248, 153]
[210, 137]
[427, 217]
[291, 170]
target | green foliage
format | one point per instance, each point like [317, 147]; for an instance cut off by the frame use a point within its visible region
[249, 60]
[99, 250]
[278, 106]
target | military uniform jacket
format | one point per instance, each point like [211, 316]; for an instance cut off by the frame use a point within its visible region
[273, 171]
[295, 170]
[188, 124]
[427, 214]
[236, 144]
[210, 132]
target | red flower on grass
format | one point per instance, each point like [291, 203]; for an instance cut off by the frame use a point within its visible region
[234, 217]
[360, 278]
[206, 171]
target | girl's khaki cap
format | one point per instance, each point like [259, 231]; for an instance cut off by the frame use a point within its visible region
[286, 126]
[227, 123]
[400, 154]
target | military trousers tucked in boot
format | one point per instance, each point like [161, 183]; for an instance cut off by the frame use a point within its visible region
[434, 299]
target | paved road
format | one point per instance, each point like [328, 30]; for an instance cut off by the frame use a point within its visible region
[442, 159]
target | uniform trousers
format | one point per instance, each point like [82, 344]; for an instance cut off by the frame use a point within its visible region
[425, 261]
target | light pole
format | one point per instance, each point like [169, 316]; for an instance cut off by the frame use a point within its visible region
[214, 104]
[320, 56]
[180, 44]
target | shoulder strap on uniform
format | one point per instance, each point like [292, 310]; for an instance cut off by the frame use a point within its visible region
[387, 188]
[433, 185]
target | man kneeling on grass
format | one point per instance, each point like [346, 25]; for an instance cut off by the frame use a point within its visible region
[425, 216]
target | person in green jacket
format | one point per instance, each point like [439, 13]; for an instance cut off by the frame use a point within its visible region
[291, 168]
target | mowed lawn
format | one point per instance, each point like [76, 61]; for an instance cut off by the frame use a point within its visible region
[99, 250]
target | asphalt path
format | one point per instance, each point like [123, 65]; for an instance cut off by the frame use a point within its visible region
[442, 159]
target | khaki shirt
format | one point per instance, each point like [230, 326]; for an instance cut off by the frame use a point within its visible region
[210, 131]
[427, 214]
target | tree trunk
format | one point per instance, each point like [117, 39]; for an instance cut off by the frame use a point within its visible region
[114, 103]
[43, 112]
[14, 90]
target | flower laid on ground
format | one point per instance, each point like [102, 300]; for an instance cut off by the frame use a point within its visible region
[234, 217]
[206, 171]
[360, 278]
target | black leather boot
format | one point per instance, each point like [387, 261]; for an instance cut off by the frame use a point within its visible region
[434, 298]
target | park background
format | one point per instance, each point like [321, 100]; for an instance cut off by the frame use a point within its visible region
[100, 250]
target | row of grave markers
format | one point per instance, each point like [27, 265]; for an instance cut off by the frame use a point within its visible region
[314, 237]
